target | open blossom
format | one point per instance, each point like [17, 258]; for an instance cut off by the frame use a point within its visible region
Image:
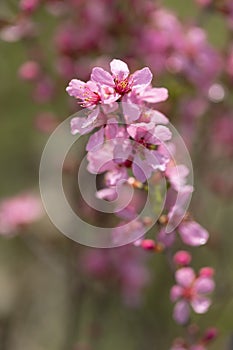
[190, 290]
[121, 80]
[105, 88]
[91, 94]
[19, 211]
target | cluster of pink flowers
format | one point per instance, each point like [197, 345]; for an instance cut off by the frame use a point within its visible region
[178, 50]
[130, 143]
[154, 35]
[133, 150]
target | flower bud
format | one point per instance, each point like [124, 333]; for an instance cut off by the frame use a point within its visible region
[210, 334]
[182, 258]
[206, 272]
[148, 244]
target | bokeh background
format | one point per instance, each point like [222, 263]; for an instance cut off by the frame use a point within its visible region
[48, 299]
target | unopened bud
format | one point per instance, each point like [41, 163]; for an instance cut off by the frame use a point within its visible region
[206, 272]
[182, 258]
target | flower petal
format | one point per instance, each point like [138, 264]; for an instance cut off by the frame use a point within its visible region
[204, 285]
[181, 312]
[119, 69]
[185, 276]
[91, 119]
[142, 77]
[156, 117]
[200, 304]
[76, 88]
[85, 125]
[109, 194]
[162, 133]
[176, 292]
[122, 150]
[141, 169]
[95, 139]
[131, 111]
[155, 95]
[99, 75]
[76, 125]
[192, 233]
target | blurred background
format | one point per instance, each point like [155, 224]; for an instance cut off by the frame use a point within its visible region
[54, 293]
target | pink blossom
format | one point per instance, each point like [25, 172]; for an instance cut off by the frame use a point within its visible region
[121, 80]
[146, 159]
[149, 133]
[204, 3]
[29, 6]
[44, 90]
[88, 92]
[23, 28]
[190, 290]
[19, 211]
[135, 88]
[30, 70]
[177, 175]
[130, 276]
[200, 62]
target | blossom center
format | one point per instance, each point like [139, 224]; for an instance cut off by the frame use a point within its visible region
[122, 86]
[90, 98]
[188, 293]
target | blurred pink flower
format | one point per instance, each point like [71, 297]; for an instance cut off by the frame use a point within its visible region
[204, 2]
[29, 6]
[190, 290]
[23, 28]
[121, 80]
[30, 70]
[44, 90]
[19, 211]
[122, 267]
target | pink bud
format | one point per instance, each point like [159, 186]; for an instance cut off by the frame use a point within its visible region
[28, 6]
[30, 70]
[210, 334]
[182, 258]
[204, 3]
[148, 244]
[206, 272]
